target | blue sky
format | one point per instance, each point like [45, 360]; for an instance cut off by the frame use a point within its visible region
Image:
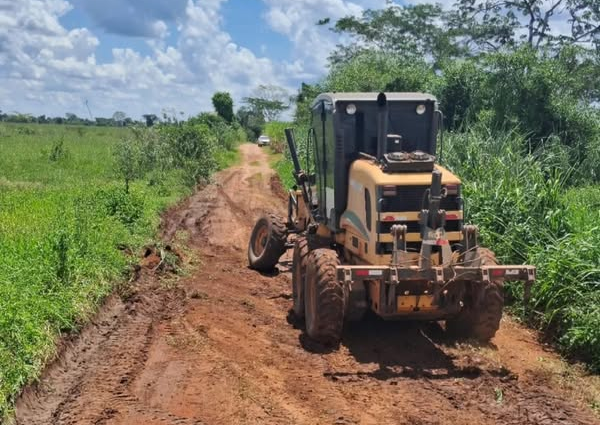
[146, 56]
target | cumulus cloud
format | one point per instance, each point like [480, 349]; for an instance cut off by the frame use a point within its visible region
[138, 18]
[48, 69]
[297, 20]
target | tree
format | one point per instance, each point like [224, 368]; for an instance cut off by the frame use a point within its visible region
[493, 24]
[127, 161]
[223, 104]
[252, 121]
[306, 95]
[413, 31]
[150, 119]
[270, 101]
[472, 27]
[119, 117]
[71, 117]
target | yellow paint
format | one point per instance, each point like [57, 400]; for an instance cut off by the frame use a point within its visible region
[365, 175]
[366, 170]
[303, 216]
[340, 238]
[374, 295]
[406, 303]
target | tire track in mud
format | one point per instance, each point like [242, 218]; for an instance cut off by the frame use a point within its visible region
[222, 348]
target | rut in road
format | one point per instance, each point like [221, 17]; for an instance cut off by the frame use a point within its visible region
[222, 347]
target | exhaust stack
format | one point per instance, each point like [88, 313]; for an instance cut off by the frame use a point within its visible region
[382, 125]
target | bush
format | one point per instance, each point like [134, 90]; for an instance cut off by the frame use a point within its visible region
[227, 135]
[192, 149]
[372, 71]
[58, 150]
[125, 206]
[521, 203]
[128, 160]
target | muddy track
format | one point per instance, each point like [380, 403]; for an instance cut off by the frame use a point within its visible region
[222, 348]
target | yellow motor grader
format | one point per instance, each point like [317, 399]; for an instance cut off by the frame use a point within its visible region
[376, 223]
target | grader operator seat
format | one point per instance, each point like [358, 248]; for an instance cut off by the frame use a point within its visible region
[398, 129]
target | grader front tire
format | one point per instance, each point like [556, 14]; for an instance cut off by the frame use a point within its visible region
[299, 262]
[323, 297]
[267, 243]
[481, 321]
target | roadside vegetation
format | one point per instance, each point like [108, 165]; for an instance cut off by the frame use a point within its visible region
[77, 204]
[522, 130]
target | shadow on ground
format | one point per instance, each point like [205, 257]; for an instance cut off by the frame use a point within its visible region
[400, 349]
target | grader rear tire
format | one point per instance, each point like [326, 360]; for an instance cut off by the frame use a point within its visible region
[267, 243]
[481, 320]
[299, 261]
[323, 297]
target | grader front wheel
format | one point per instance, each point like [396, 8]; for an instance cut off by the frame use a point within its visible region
[299, 261]
[267, 243]
[480, 319]
[324, 297]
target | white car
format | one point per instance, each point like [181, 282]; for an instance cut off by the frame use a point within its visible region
[263, 141]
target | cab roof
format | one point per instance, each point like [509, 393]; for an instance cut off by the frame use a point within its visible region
[372, 97]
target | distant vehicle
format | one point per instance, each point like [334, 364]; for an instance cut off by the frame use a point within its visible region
[263, 141]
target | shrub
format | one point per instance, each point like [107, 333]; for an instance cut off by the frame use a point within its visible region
[526, 214]
[192, 148]
[128, 160]
[58, 150]
[127, 207]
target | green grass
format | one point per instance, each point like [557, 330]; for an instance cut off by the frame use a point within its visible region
[227, 158]
[276, 132]
[283, 167]
[529, 213]
[66, 226]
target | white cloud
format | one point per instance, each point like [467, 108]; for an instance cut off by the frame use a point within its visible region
[52, 70]
[48, 69]
[297, 20]
[147, 18]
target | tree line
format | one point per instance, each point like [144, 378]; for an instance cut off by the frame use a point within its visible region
[266, 103]
[526, 65]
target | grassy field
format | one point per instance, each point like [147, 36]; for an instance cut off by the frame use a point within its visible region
[66, 225]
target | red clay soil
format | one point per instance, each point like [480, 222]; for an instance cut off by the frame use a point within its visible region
[221, 347]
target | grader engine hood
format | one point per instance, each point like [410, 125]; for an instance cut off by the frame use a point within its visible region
[379, 200]
[370, 172]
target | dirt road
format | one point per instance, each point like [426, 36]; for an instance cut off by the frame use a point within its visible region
[221, 348]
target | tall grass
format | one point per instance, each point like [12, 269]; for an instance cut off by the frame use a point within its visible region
[283, 161]
[527, 213]
[67, 224]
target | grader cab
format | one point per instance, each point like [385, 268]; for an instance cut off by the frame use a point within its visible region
[376, 223]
